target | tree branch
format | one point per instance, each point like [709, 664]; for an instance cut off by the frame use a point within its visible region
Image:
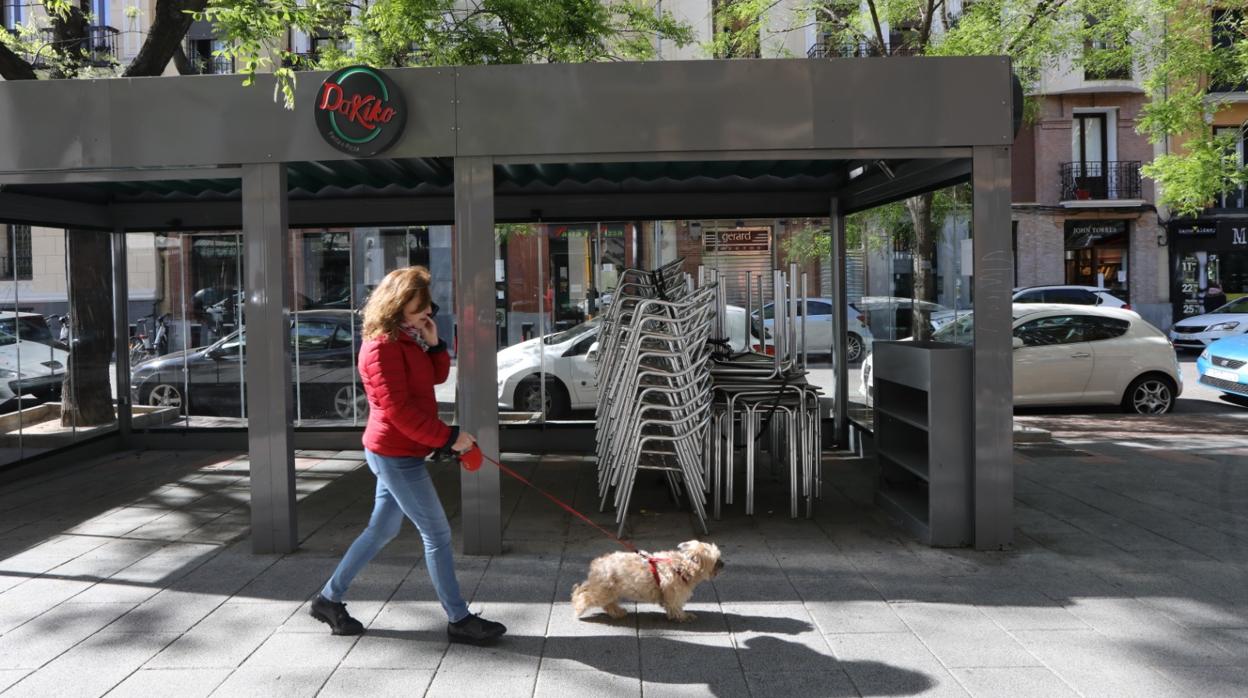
[14, 67]
[169, 25]
[1046, 7]
[879, 31]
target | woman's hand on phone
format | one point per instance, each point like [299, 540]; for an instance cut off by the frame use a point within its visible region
[429, 332]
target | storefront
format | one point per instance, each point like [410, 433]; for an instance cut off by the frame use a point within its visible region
[441, 166]
[1205, 254]
[1097, 254]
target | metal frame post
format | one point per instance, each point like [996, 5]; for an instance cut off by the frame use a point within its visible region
[478, 361]
[840, 334]
[266, 241]
[993, 372]
[121, 330]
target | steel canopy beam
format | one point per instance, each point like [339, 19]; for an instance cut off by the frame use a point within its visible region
[875, 187]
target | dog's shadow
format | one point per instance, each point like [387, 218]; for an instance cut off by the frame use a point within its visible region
[775, 666]
[704, 622]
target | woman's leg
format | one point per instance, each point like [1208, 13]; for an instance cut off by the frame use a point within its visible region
[383, 526]
[412, 488]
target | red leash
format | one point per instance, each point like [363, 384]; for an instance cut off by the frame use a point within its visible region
[474, 455]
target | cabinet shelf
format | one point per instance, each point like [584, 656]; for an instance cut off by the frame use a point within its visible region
[922, 416]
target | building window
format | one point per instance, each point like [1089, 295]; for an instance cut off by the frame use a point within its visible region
[11, 14]
[1232, 198]
[15, 256]
[1225, 27]
[1103, 54]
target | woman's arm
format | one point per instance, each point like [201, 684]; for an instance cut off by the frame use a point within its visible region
[390, 389]
[441, 359]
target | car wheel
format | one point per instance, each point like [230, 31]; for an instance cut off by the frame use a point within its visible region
[529, 397]
[350, 402]
[166, 395]
[1151, 394]
[853, 348]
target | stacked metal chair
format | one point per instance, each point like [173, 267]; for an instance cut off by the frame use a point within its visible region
[766, 392]
[655, 389]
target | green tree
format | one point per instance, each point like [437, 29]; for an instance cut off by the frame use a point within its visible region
[1203, 45]
[1091, 35]
[400, 33]
[58, 44]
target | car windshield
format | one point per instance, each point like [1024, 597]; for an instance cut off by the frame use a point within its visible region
[1239, 305]
[960, 331]
[6, 339]
[34, 329]
[571, 333]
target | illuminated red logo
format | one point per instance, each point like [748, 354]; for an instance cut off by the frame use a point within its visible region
[360, 111]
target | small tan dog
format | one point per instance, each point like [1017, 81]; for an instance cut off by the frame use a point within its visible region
[667, 578]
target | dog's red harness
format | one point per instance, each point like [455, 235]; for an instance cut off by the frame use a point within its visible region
[654, 567]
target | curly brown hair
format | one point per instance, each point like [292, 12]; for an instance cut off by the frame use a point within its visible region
[383, 313]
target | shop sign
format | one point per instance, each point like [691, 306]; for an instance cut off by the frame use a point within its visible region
[562, 232]
[360, 111]
[1195, 229]
[1089, 233]
[1233, 234]
[737, 240]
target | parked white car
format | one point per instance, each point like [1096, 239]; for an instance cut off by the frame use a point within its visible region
[1200, 331]
[1070, 295]
[819, 328]
[29, 369]
[1080, 355]
[571, 383]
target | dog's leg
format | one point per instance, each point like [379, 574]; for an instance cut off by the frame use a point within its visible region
[615, 610]
[674, 604]
[580, 600]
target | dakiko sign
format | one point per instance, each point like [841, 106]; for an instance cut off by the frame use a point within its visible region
[360, 111]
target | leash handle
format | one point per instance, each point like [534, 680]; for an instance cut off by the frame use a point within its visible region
[625, 544]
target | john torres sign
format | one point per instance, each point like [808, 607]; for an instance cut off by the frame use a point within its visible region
[360, 111]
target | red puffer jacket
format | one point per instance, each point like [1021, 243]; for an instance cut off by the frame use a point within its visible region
[398, 378]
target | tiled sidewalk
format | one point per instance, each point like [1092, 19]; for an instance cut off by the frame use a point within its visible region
[1130, 577]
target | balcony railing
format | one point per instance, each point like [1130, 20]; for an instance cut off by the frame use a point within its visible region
[1101, 181]
[857, 50]
[206, 63]
[100, 44]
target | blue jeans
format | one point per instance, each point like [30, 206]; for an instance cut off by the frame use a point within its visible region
[404, 487]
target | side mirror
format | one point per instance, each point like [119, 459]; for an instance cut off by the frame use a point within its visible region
[1018, 342]
[592, 354]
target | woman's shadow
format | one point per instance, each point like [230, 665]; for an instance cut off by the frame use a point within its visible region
[703, 654]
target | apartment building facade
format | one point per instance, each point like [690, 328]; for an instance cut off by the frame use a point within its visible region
[1082, 212]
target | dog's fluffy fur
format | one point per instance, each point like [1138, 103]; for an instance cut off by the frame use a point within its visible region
[628, 576]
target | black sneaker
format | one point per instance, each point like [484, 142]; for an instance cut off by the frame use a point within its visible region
[475, 630]
[335, 615]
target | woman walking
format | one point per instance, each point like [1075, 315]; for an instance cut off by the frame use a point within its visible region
[401, 360]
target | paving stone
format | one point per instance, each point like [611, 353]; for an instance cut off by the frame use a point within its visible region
[613, 654]
[170, 683]
[169, 611]
[226, 637]
[829, 684]
[301, 650]
[722, 686]
[46, 637]
[513, 653]
[1231, 681]
[892, 664]
[1016, 682]
[559, 684]
[94, 666]
[376, 683]
[652, 621]
[668, 659]
[454, 684]
[273, 682]
[1119, 682]
[398, 649]
[8, 677]
[562, 623]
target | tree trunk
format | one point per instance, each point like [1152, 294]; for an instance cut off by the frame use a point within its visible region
[14, 67]
[86, 396]
[69, 33]
[923, 256]
[169, 24]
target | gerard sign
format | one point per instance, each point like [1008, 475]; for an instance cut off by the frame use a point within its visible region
[360, 111]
